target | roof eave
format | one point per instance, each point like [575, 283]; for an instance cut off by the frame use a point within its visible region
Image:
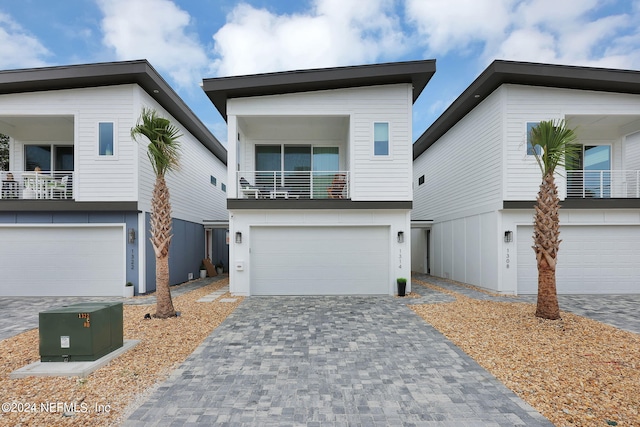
[219, 90]
[531, 74]
[138, 72]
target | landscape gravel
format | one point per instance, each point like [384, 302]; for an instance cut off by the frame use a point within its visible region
[575, 371]
[105, 397]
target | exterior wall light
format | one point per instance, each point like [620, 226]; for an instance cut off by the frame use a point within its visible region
[508, 236]
[132, 235]
[400, 236]
[238, 237]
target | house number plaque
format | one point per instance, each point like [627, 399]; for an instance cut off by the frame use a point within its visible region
[508, 258]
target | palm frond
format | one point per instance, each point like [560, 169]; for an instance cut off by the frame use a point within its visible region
[164, 145]
[557, 145]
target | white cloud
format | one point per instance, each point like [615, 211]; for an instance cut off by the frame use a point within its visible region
[18, 48]
[332, 33]
[156, 30]
[448, 25]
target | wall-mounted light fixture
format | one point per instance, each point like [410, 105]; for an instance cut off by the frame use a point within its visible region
[400, 236]
[132, 235]
[238, 237]
[508, 236]
[226, 237]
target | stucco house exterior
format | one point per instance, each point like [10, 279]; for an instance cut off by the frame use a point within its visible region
[476, 180]
[80, 227]
[319, 173]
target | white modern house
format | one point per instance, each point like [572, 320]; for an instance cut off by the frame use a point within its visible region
[80, 225]
[476, 180]
[319, 173]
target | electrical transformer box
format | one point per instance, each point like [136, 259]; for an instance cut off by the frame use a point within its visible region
[80, 332]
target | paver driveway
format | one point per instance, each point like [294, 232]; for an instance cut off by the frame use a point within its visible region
[331, 361]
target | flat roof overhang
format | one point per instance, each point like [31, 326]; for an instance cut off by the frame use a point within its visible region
[220, 89]
[138, 72]
[529, 74]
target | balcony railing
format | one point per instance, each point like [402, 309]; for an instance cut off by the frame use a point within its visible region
[37, 185]
[603, 184]
[293, 184]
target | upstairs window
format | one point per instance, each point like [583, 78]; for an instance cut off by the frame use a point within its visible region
[106, 142]
[530, 148]
[381, 139]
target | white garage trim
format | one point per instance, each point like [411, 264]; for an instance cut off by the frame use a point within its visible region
[593, 259]
[320, 260]
[62, 259]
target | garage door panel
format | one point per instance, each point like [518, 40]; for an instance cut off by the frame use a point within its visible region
[319, 260]
[62, 261]
[592, 259]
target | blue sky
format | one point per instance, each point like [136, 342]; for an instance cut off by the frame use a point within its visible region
[187, 40]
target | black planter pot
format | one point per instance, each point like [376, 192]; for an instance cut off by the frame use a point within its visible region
[402, 287]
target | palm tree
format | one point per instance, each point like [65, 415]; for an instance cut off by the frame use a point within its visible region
[163, 152]
[556, 149]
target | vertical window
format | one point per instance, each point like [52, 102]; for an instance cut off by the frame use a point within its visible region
[530, 149]
[421, 180]
[214, 181]
[381, 139]
[105, 139]
[223, 187]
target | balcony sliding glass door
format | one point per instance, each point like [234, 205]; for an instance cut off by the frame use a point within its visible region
[305, 170]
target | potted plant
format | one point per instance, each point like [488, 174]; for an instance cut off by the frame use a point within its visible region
[402, 286]
[128, 290]
[203, 271]
[219, 267]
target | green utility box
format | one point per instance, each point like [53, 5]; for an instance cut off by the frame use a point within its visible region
[80, 332]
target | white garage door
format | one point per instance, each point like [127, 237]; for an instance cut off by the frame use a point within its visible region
[592, 260]
[62, 261]
[319, 260]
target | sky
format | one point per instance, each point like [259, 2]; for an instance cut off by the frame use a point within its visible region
[188, 40]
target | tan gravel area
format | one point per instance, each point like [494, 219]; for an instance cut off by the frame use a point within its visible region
[110, 393]
[575, 371]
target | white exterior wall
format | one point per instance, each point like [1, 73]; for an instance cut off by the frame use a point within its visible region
[371, 178]
[465, 249]
[242, 221]
[532, 104]
[463, 169]
[193, 197]
[97, 179]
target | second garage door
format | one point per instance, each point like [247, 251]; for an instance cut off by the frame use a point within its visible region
[319, 260]
[597, 259]
[62, 260]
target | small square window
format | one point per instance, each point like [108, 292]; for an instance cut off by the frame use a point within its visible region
[421, 180]
[214, 181]
[530, 148]
[381, 139]
[105, 139]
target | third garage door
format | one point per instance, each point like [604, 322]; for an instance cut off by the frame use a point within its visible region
[319, 260]
[598, 259]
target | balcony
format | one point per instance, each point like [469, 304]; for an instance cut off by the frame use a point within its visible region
[293, 184]
[45, 185]
[603, 184]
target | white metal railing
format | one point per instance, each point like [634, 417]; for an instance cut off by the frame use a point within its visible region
[37, 185]
[603, 184]
[293, 184]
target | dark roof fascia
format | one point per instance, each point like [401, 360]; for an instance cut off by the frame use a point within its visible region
[578, 203]
[266, 204]
[220, 89]
[34, 205]
[138, 72]
[529, 74]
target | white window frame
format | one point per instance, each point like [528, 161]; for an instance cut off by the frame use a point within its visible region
[527, 140]
[373, 141]
[114, 154]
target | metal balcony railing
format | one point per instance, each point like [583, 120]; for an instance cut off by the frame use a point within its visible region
[44, 185]
[603, 184]
[293, 184]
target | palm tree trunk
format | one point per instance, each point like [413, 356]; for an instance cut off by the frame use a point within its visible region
[546, 244]
[160, 240]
